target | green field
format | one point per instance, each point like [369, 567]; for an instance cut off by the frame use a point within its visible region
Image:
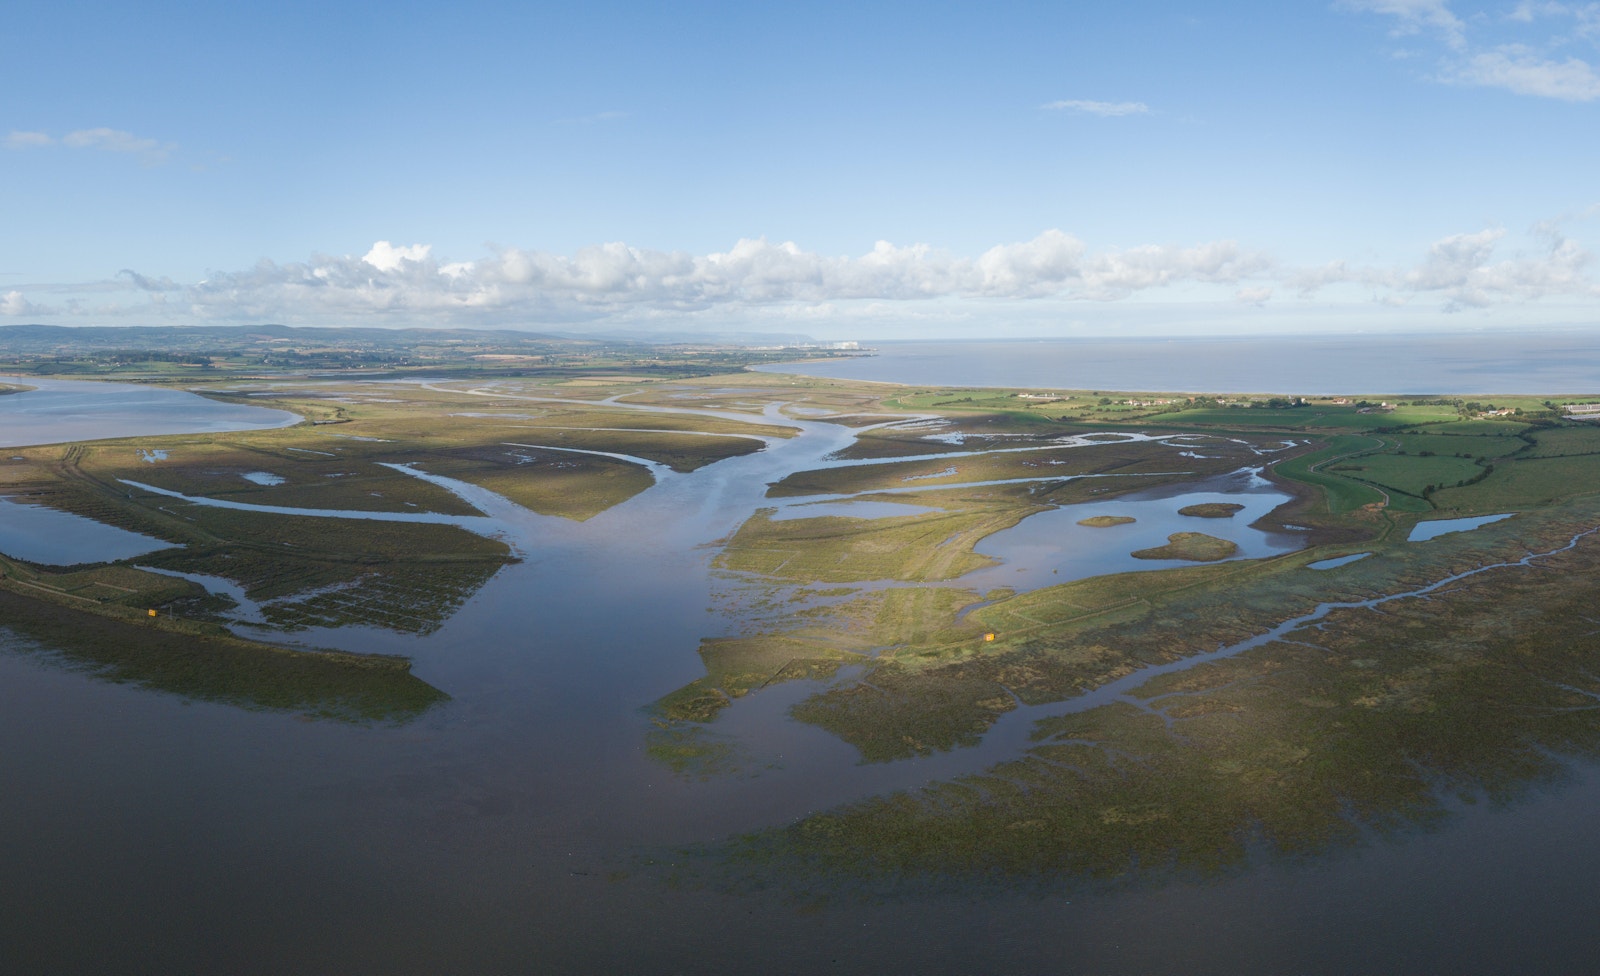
[1406, 473]
[1560, 441]
[1339, 494]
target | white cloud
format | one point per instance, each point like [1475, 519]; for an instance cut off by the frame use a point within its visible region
[1307, 282]
[1121, 273]
[1516, 69]
[154, 286]
[1537, 63]
[1465, 271]
[149, 151]
[1585, 16]
[1103, 109]
[28, 140]
[615, 279]
[1031, 268]
[1415, 17]
[1452, 260]
[386, 257]
[1461, 266]
[15, 304]
[761, 280]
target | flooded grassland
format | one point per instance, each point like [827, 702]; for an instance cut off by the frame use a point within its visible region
[753, 631]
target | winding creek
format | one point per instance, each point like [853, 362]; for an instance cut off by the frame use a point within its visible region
[502, 812]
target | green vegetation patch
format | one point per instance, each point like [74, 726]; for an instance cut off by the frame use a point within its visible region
[221, 668]
[737, 666]
[1341, 495]
[912, 713]
[1195, 547]
[1563, 441]
[1038, 610]
[329, 475]
[831, 549]
[680, 452]
[694, 752]
[1411, 475]
[1106, 521]
[397, 579]
[573, 486]
[1518, 484]
[918, 622]
[1481, 427]
[1370, 721]
[1211, 510]
[1484, 446]
[1112, 458]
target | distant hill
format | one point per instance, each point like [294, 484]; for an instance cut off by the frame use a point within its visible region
[158, 352]
[49, 339]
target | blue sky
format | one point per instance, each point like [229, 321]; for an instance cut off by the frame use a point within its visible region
[850, 170]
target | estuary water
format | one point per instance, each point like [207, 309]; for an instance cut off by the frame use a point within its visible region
[507, 830]
[1477, 363]
[54, 538]
[58, 411]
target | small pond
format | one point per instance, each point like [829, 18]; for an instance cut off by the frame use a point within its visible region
[1337, 561]
[1423, 531]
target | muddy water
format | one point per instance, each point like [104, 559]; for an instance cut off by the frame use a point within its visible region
[139, 832]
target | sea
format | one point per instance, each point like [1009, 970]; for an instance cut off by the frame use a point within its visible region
[1468, 364]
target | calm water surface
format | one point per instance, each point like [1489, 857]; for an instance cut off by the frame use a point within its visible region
[1433, 528]
[495, 833]
[58, 411]
[1337, 561]
[1469, 364]
[52, 538]
[1051, 547]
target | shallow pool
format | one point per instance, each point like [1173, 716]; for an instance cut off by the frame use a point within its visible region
[43, 535]
[1432, 529]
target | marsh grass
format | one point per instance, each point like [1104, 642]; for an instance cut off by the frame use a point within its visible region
[218, 667]
[1106, 521]
[1195, 547]
[1371, 722]
[737, 666]
[1111, 458]
[833, 549]
[572, 486]
[1211, 510]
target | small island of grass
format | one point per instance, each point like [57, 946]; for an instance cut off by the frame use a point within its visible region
[1105, 521]
[1211, 510]
[1195, 547]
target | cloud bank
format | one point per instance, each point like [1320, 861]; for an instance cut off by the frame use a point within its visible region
[408, 284]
